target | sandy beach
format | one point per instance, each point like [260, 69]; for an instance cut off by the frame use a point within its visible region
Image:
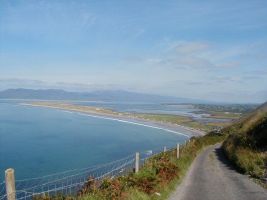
[118, 116]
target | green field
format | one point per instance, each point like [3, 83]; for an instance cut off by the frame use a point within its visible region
[182, 120]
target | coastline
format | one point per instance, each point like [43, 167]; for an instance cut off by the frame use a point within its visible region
[107, 114]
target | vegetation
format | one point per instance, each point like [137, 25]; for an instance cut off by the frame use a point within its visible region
[155, 180]
[183, 120]
[246, 145]
[230, 108]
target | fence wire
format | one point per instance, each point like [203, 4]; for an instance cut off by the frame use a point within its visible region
[71, 181]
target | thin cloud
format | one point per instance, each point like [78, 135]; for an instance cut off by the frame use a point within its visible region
[189, 48]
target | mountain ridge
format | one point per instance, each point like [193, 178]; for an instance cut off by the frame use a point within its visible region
[99, 95]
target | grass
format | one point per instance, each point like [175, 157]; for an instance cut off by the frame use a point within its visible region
[227, 108]
[248, 161]
[224, 115]
[181, 120]
[246, 145]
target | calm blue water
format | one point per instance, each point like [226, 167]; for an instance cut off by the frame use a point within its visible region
[39, 141]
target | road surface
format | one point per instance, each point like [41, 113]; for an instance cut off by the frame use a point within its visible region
[211, 177]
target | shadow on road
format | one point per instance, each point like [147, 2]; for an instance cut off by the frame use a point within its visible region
[223, 159]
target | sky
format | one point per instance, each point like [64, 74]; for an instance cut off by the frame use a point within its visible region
[212, 50]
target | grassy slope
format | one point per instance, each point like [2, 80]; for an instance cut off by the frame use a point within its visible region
[246, 144]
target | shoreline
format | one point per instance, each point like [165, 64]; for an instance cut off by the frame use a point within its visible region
[121, 117]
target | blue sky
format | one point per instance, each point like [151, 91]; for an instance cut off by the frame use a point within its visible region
[214, 50]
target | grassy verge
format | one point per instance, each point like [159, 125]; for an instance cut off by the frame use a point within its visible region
[246, 146]
[247, 160]
[155, 180]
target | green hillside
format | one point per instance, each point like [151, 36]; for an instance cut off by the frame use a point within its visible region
[246, 144]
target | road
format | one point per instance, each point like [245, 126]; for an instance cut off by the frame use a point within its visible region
[211, 177]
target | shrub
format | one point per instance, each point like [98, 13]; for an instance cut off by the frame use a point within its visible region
[165, 169]
[146, 180]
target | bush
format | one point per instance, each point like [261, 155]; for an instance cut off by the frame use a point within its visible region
[146, 180]
[165, 169]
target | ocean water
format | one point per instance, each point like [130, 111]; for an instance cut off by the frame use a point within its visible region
[39, 141]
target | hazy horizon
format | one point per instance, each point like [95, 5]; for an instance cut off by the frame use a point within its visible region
[106, 92]
[212, 50]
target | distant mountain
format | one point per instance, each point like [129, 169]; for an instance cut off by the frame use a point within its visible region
[103, 95]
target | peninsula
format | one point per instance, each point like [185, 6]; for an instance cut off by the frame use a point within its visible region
[156, 121]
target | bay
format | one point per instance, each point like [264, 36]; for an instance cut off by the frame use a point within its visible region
[39, 141]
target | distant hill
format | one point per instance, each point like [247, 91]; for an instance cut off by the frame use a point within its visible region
[105, 95]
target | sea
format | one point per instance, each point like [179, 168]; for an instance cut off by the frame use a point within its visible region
[37, 141]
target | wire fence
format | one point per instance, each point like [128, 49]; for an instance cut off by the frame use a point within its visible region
[70, 182]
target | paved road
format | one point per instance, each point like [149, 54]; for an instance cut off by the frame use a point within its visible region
[211, 177]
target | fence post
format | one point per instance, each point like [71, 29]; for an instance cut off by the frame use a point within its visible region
[10, 184]
[137, 162]
[164, 149]
[177, 151]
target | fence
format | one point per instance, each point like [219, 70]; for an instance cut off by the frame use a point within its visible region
[71, 181]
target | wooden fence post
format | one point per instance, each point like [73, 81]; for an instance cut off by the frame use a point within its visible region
[177, 151]
[137, 162]
[10, 184]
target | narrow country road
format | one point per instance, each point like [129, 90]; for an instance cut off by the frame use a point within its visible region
[211, 177]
